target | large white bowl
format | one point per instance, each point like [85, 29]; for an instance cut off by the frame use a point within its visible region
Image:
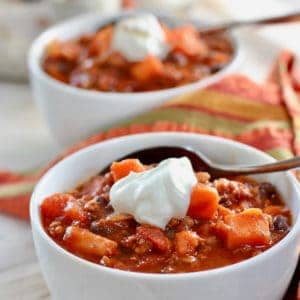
[264, 277]
[72, 113]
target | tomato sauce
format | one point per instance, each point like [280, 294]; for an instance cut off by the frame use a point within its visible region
[87, 62]
[248, 218]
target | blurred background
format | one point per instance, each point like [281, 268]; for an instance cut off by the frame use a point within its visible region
[21, 21]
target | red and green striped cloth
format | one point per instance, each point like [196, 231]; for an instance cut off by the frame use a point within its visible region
[264, 116]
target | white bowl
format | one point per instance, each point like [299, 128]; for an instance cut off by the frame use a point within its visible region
[264, 277]
[73, 113]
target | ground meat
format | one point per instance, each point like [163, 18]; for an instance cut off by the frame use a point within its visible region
[231, 191]
[202, 177]
[97, 207]
[142, 246]
[92, 206]
[177, 225]
[56, 229]
[187, 242]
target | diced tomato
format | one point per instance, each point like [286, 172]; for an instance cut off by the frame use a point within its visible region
[156, 236]
[74, 212]
[64, 206]
[123, 168]
[53, 206]
[274, 210]
[204, 202]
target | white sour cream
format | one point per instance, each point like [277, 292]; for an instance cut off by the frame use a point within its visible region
[138, 36]
[156, 195]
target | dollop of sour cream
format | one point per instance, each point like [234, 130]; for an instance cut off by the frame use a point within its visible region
[156, 195]
[138, 36]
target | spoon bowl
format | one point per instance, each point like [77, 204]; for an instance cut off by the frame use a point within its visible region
[200, 162]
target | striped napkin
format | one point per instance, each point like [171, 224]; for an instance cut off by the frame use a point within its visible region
[264, 116]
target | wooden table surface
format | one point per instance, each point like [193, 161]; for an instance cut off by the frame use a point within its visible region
[20, 276]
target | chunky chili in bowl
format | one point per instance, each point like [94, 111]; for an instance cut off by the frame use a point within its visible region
[137, 54]
[214, 223]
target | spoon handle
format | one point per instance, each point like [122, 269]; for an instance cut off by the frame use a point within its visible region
[283, 165]
[291, 17]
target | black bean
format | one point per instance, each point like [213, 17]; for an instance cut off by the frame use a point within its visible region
[101, 200]
[170, 233]
[109, 209]
[267, 191]
[94, 227]
[280, 223]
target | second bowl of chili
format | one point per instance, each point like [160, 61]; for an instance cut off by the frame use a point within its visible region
[81, 88]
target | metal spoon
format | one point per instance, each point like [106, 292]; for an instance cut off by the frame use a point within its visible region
[201, 163]
[291, 17]
[212, 29]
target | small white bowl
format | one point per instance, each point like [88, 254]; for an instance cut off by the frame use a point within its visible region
[73, 113]
[264, 277]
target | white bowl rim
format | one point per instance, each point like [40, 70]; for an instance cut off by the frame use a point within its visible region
[39, 44]
[36, 220]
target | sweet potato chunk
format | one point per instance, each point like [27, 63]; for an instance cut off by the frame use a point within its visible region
[250, 227]
[123, 168]
[147, 69]
[186, 242]
[186, 39]
[101, 42]
[204, 202]
[84, 241]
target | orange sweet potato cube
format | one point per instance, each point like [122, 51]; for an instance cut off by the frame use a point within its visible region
[84, 241]
[250, 227]
[204, 202]
[122, 168]
[186, 39]
[147, 69]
